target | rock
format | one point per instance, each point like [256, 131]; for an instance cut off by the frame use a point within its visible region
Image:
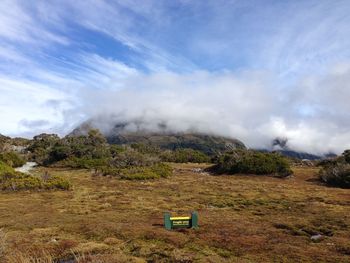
[26, 168]
[317, 237]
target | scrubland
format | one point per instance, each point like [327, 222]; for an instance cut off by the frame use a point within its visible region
[242, 218]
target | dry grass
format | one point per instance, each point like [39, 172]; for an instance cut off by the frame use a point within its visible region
[2, 242]
[242, 219]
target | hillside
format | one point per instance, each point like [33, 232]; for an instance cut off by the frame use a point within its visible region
[164, 138]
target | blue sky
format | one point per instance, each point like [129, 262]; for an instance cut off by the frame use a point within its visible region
[248, 69]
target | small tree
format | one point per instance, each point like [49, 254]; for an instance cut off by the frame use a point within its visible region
[336, 172]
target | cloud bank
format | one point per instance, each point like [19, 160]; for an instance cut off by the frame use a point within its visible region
[244, 69]
[247, 105]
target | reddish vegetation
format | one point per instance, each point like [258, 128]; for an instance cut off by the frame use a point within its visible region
[242, 219]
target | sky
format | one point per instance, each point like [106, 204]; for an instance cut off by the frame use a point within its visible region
[247, 69]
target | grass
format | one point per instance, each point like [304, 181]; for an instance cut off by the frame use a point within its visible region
[242, 219]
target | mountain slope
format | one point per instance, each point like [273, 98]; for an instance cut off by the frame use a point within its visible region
[163, 138]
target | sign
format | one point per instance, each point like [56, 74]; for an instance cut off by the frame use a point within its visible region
[180, 221]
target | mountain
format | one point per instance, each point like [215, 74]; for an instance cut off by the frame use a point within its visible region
[137, 132]
[281, 145]
[295, 154]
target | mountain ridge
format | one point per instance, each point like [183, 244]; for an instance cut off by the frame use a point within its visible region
[163, 137]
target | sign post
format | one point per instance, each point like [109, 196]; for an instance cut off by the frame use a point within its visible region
[180, 221]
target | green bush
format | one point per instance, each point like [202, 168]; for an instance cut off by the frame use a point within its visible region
[337, 174]
[162, 169]
[48, 149]
[11, 180]
[185, 156]
[116, 149]
[252, 162]
[4, 168]
[131, 157]
[146, 148]
[336, 171]
[346, 156]
[93, 145]
[18, 181]
[84, 163]
[41, 146]
[12, 159]
[55, 182]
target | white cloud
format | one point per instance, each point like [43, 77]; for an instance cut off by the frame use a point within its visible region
[50, 80]
[25, 100]
[18, 24]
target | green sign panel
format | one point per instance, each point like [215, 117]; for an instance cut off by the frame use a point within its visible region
[181, 221]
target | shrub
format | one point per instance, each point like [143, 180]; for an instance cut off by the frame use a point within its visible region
[18, 181]
[12, 159]
[47, 149]
[146, 148]
[336, 175]
[93, 145]
[116, 149]
[41, 146]
[185, 156]
[131, 157]
[58, 152]
[55, 182]
[84, 163]
[4, 168]
[252, 162]
[346, 155]
[14, 181]
[163, 170]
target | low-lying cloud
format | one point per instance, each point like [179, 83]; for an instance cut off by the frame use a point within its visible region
[250, 106]
[126, 61]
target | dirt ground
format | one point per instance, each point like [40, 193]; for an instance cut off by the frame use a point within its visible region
[241, 218]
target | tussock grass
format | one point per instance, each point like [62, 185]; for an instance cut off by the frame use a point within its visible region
[241, 218]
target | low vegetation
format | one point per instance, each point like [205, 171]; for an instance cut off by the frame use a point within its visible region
[159, 170]
[185, 155]
[12, 159]
[10, 180]
[241, 219]
[336, 172]
[91, 151]
[252, 162]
